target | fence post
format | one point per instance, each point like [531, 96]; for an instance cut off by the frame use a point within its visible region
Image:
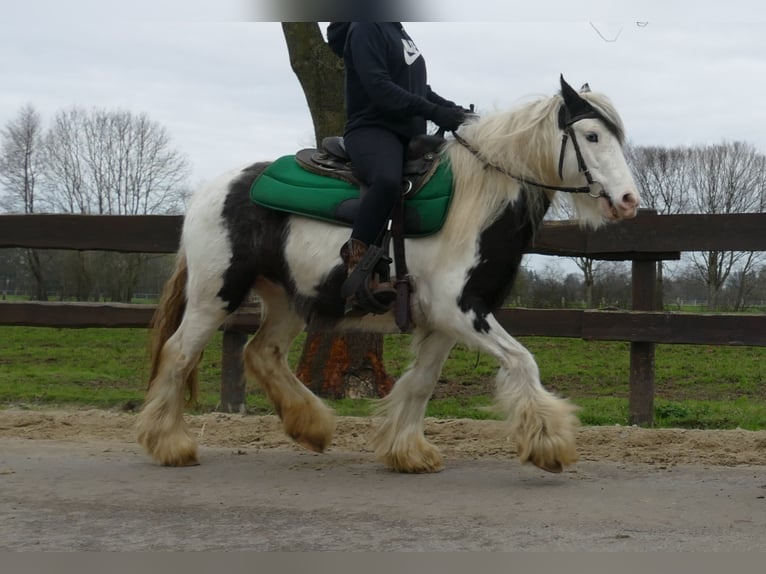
[233, 386]
[641, 400]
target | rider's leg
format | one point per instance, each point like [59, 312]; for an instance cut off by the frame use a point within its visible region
[378, 158]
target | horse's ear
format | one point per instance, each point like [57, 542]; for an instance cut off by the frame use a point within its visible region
[573, 103]
[585, 88]
[569, 94]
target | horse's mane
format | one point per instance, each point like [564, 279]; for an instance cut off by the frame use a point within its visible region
[520, 141]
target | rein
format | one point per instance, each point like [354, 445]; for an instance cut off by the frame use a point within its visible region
[568, 132]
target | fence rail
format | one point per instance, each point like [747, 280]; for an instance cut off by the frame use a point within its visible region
[648, 236]
[644, 240]
[591, 325]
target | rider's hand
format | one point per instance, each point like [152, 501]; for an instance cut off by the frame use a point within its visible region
[448, 118]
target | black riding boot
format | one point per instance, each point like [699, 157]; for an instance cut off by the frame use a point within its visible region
[378, 296]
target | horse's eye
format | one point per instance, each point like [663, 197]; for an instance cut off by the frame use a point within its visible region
[591, 137]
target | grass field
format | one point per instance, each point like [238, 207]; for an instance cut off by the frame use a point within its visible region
[696, 386]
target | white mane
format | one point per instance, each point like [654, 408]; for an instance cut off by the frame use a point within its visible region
[524, 142]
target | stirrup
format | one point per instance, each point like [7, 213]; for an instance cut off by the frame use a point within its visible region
[357, 286]
[375, 302]
[370, 261]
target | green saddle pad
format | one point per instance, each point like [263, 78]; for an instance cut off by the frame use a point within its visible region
[286, 186]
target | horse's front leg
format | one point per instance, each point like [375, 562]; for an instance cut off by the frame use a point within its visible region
[543, 425]
[400, 442]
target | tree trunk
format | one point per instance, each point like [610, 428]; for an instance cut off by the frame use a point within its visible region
[36, 267]
[321, 75]
[712, 281]
[82, 278]
[586, 265]
[659, 302]
[332, 366]
[341, 367]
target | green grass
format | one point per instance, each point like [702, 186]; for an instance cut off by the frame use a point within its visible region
[696, 386]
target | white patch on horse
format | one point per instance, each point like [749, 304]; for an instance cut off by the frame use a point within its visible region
[309, 252]
[205, 240]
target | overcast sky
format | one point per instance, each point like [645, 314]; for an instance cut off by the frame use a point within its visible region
[224, 89]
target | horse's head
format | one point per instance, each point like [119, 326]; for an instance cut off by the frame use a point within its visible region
[592, 159]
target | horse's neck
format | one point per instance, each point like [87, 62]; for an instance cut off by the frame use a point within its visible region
[480, 195]
[500, 249]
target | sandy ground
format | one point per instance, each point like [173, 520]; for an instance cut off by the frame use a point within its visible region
[461, 439]
[76, 480]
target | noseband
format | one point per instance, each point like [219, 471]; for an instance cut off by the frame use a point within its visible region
[565, 124]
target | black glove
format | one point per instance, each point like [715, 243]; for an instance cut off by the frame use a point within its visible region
[447, 118]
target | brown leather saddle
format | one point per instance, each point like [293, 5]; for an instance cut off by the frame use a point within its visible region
[332, 160]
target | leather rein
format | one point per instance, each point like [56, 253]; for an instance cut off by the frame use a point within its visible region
[565, 124]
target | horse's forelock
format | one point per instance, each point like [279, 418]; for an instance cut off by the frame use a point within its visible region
[604, 107]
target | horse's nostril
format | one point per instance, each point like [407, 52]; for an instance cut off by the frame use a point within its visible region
[629, 200]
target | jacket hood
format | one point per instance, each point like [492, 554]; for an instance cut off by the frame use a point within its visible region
[336, 36]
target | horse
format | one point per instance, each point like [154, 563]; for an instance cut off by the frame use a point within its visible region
[508, 168]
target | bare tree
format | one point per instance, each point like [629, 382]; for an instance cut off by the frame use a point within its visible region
[743, 283]
[21, 161]
[589, 267]
[66, 191]
[67, 188]
[663, 178]
[112, 163]
[726, 178]
[662, 175]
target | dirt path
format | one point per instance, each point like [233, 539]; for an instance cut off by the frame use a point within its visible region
[76, 480]
[456, 438]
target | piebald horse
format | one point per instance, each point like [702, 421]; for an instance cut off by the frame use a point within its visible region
[508, 167]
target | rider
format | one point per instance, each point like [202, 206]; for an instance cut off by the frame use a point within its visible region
[388, 101]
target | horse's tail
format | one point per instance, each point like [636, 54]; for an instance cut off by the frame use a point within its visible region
[165, 322]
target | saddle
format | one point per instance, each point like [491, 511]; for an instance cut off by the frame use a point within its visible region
[332, 160]
[421, 161]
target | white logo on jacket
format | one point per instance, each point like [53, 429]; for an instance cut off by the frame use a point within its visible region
[411, 52]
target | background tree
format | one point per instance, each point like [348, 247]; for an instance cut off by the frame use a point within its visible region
[589, 267]
[21, 152]
[663, 177]
[111, 162]
[726, 178]
[20, 160]
[331, 365]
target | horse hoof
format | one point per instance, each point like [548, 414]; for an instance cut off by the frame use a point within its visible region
[170, 450]
[425, 461]
[312, 426]
[313, 445]
[554, 468]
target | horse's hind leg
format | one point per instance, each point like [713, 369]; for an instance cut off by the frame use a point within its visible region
[400, 442]
[161, 427]
[305, 418]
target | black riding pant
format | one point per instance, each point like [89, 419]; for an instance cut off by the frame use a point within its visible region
[378, 158]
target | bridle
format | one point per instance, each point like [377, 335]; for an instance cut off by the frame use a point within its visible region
[566, 121]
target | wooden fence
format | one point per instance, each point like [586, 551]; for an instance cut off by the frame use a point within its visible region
[644, 240]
